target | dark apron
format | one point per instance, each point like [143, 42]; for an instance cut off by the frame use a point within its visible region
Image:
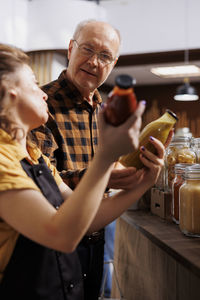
[35, 272]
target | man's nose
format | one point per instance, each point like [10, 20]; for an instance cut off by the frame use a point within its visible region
[94, 59]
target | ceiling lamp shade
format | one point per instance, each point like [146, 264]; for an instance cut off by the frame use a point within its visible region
[186, 92]
[176, 71]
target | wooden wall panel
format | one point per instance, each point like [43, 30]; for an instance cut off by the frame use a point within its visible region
[41, 63]
[160, 97]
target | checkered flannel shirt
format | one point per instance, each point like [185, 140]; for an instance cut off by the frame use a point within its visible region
[70, 136]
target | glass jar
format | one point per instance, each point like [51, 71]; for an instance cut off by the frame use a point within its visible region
[178, 151]
[195, 144]
[189, 218]
[160, 183]
[184, 131]
[179, 170]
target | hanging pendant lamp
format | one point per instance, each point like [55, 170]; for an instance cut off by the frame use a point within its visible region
[186, 92]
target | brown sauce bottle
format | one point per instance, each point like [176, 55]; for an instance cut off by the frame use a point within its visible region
[121, 102]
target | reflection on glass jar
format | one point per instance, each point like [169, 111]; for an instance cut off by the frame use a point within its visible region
[195, 144]
[179, 170]
[178, 151]
[189, 219]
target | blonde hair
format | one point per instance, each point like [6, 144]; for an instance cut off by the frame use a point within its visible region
[11, 58]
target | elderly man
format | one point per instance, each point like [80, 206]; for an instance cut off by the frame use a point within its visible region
[70, 136]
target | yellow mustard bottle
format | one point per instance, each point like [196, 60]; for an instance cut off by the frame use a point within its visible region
[159, 129]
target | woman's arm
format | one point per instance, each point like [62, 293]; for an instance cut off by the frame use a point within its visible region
[30, 213]
[113, 207]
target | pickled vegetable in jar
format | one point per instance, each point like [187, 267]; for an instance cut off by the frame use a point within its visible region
[179, 170]
[189, 219]
[177, 152]
[159, 129]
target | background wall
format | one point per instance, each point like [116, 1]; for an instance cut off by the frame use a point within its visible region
[14, 22]
[160, 97]
[154, 25]
[145, 25]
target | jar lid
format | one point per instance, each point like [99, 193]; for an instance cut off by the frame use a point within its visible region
[195, 142]
[192, 172]
[180, 168]
[181, 139]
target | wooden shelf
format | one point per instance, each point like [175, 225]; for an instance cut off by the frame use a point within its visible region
[154, 260]
[168, 237]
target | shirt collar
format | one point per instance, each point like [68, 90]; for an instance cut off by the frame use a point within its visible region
[16, 150]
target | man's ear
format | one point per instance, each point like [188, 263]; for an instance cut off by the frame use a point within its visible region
[70, 49]
[116, 60]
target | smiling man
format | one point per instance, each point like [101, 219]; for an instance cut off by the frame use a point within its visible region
[92, 55]
[70, 136]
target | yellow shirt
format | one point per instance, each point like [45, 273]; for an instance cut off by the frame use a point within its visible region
[12, 176]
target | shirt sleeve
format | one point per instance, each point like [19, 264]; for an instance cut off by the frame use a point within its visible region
[44, 137]
[45, 141]
[72, 177]
[12, 175]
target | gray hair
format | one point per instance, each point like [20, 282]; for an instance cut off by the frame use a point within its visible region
[82, 24]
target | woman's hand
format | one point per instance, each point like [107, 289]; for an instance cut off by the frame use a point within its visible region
[169, 138]
[120, 140]
[153, 162]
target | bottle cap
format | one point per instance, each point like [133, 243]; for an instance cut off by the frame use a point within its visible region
[172, 114]
[124, 81]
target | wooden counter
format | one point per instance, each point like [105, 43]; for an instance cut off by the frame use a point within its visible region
[154, 260]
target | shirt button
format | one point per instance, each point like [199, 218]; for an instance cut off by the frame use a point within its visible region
[57, 207]
[84, 275]
[40, 172]
[70, 286]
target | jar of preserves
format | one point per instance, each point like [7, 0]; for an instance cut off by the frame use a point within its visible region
[179, 170]
[160, 183]
[179, 151]
[189, 219]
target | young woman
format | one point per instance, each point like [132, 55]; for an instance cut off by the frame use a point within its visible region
[39, 230]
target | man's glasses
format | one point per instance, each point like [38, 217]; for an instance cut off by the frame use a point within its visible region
[103, 58]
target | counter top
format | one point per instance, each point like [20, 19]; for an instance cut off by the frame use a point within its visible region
[168, 237]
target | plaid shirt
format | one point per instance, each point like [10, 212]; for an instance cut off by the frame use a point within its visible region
[70, 136]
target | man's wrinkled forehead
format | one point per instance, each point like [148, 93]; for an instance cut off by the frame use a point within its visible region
[98, 28]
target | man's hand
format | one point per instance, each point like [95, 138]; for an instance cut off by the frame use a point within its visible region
[124, 178]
